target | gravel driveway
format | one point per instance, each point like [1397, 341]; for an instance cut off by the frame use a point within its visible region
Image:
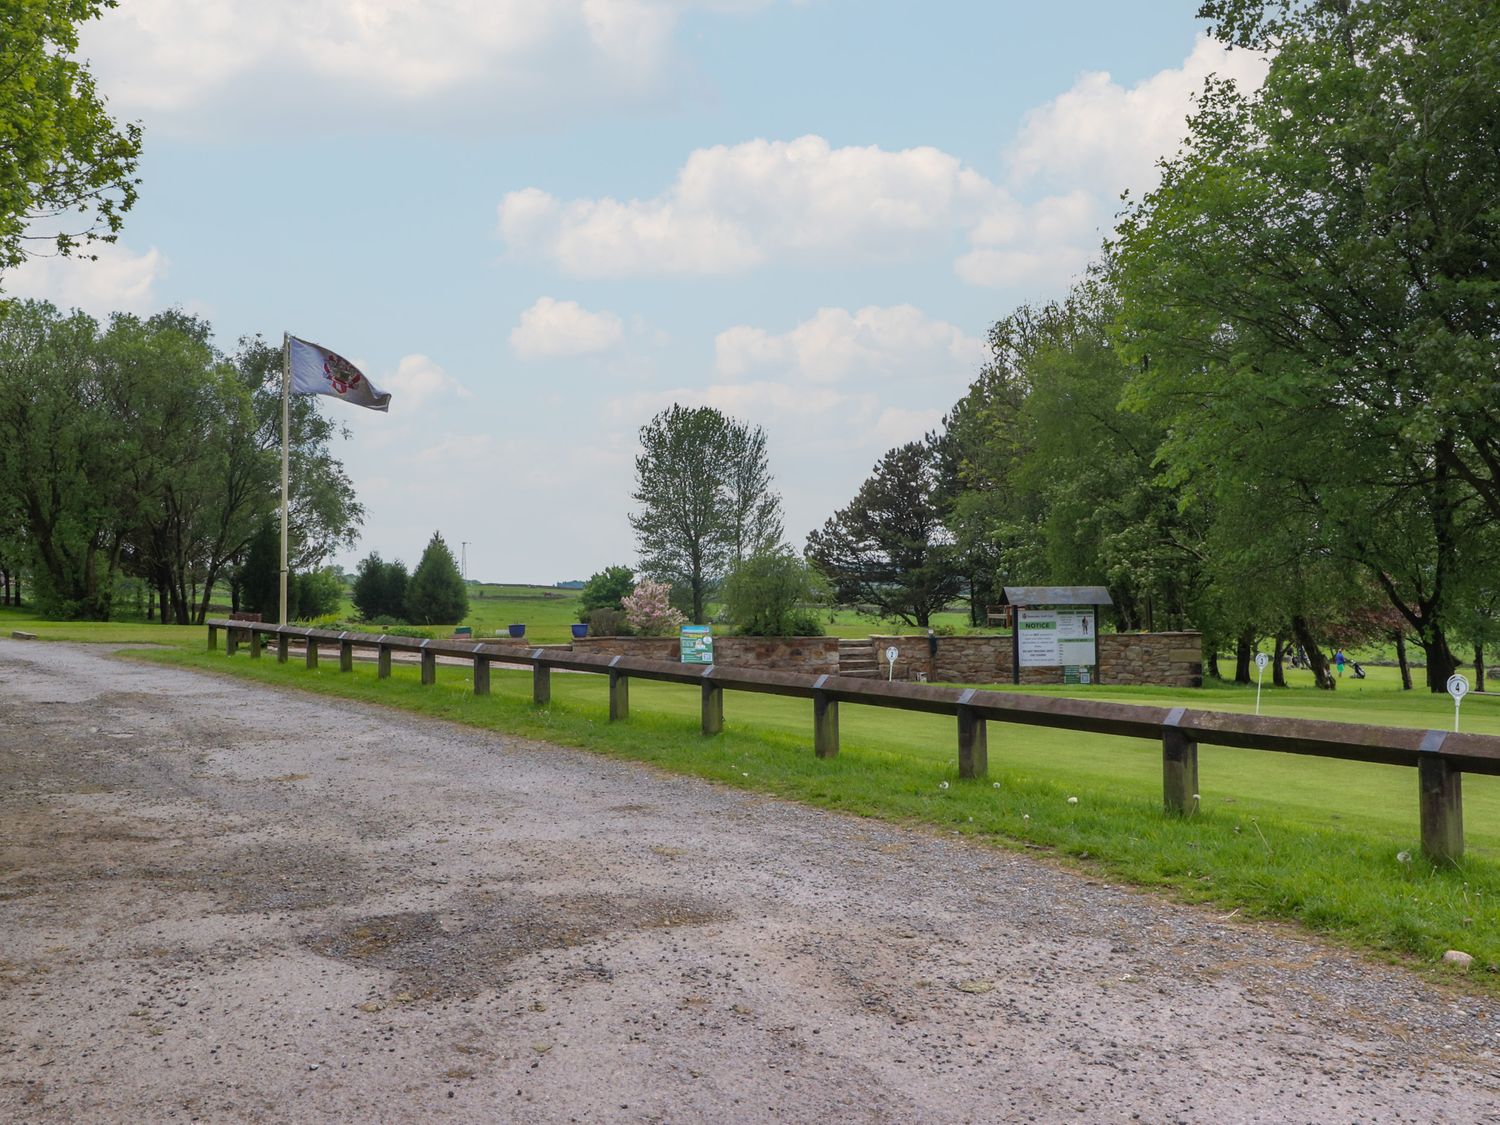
[223, 902]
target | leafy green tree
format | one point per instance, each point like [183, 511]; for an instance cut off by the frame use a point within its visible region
[67, 177]
[605, 590]
[437, 594]
[318, 593]
[380, 588]
[889, 547]
[772, 594]
[703, 487]
[1312, 294]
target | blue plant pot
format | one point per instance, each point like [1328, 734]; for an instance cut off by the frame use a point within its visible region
[580, 631]
[517, 630]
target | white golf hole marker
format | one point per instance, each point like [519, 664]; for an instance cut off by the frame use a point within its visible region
[890, 658]
[1261, 660]
[1458, 687]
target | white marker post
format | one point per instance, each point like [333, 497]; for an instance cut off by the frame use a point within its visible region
[1458, 687]
[1261, 660]
[890, 658]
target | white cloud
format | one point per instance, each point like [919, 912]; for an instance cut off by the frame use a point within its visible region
[564, 328]
[735, 207]
[763, 203]
[417, 381]
[1102, 135]
[117, 281]
[836, 344]
[196, 65]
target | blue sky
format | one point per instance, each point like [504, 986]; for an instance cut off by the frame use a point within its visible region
[537, 222]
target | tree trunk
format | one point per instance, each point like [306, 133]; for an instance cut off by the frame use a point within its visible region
[1243, 650]
[150, 603]
[1479, 667]
[1278, 664]
[1322, 674]
[1213, 666]
[1401, 661]
[1441, 663]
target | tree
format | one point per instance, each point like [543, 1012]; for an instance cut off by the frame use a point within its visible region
[648, 609]
[889, 547]
[605, 589]
[1311, 291]
[772, 594]
[67, 177]
[380, 588]
[436, 594]
[257, 582]
[704, 490]
[316, 593]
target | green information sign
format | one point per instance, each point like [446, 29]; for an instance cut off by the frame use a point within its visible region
[697, 645]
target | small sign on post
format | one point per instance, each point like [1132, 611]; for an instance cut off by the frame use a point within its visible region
[696, 644]
[1458, 687]
[891, 653]
[1261, 660]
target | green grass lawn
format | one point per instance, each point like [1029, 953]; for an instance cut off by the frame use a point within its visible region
[1304, 839]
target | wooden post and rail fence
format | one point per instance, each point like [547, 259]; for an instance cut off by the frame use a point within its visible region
[1441, 758]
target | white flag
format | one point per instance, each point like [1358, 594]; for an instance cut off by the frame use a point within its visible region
[318, 371]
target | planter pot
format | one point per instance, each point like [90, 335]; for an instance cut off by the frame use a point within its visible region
[580, 631]
[517, 630]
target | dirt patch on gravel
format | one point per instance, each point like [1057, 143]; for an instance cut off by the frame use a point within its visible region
[221, 902]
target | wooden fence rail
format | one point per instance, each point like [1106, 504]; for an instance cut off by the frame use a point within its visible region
[1441, 758]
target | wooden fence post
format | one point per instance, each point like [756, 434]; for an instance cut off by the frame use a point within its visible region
[481, 675]
[713, 705]
[619, 694]
[825, 721]
[429, 667]
[541, 681]
[254, 644]
[1442, 803]
[231, 641]
[383, 662]
[346, 655]
[312, 652]
[973, 740]
[213, 638]
[1179, 767]
[281, 648]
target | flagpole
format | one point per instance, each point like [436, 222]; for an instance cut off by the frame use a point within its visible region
[286, 420]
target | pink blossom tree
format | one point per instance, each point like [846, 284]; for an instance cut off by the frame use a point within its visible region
[650, 611]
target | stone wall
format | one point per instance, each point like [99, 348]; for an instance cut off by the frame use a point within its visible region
[1172, 659]
[1166, 659]
[811, 655]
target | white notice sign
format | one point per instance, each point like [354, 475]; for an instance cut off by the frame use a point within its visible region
[1051, 636]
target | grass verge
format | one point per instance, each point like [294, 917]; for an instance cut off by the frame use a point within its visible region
[1330, 845]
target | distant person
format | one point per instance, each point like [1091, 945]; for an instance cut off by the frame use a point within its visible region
[1338, 662]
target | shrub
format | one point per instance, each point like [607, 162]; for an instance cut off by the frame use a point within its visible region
[606, 590]
[317, 593]
[773, 594]
[608, 623]
[649, 609]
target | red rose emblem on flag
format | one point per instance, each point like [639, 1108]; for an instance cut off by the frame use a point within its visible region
[341, 373]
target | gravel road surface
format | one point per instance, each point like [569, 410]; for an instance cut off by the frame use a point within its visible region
[223, 902]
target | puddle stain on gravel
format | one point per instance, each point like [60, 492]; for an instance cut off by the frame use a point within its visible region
[462, 951]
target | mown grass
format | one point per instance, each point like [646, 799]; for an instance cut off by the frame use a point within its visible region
[1307, 840]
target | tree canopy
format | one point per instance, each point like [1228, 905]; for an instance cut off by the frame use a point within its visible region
[889, 547]
[139, 449]
[67, 175]
[1313, 292]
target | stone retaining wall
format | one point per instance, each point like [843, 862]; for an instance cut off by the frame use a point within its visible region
[1166, 659]
[811, 655]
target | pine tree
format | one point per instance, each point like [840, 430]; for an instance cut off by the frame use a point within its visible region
[436, 594]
